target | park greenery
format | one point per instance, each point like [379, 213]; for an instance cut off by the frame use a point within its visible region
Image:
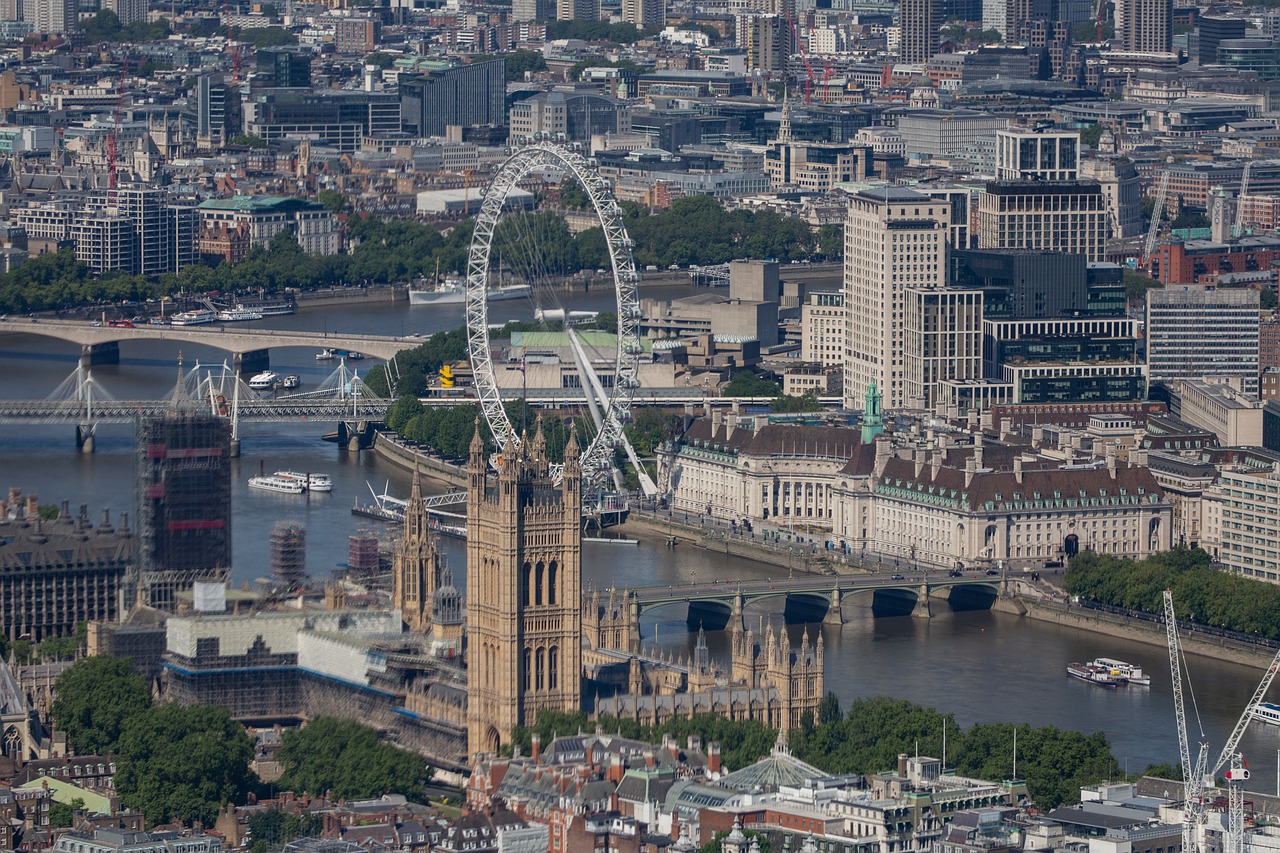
[95, 698]
[62, 815]
[177, 763]
[696, 230]
[517, 63]
[1054, 763]
[1201, 593]
[347, 759]
[105, 26]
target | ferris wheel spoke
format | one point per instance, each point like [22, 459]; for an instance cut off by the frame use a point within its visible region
[615, 402]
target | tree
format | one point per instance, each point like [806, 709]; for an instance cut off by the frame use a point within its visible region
[1089, 136]
[333, 201]
[786, 403]
[829, 709]
[1190, 219]
[249, 140]
[177, 763]
[261, 37]
[273, 828]
[96, 697]
[348, 759]
[746, 384]
[380, 59]
[63, 814]
[60, 648]
[1136, 285]
[518, 62]
[830, 241]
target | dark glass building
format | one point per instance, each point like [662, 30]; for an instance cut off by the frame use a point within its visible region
[462, 95]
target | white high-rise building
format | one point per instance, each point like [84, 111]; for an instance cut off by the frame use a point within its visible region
[1032, 155]
[128, 11]
[1194, 331]
[51, 17]
[645, 13]
[895, 239]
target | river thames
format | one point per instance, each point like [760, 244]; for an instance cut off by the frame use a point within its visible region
[981, 666]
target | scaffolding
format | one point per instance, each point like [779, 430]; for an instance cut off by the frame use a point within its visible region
[183, 471]
[289, 554]
[362, 553]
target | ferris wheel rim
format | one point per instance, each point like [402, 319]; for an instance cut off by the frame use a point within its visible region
[596, 458]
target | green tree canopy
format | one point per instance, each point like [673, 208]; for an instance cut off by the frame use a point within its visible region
[176, 763]
[348, 759]
[747, 384]
[787, 403]
[96, 697]
[333, 201]
[1090, 135]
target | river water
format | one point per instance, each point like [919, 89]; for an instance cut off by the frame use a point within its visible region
[981, 666]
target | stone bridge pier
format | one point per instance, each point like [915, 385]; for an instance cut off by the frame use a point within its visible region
[251, 362]
[91, 355]
[85, 439]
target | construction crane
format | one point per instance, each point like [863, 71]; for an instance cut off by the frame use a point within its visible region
[113, 138]
[231, 42]
[1237, 227]
[1201, 777]
[1102, 8]
[804, 54]
[1162, 193]
[826, 83]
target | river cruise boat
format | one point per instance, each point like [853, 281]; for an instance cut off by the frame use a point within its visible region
[293, 380]
[1266, 712]
[264, 381]
[280, 485]
[326, 354]
[1128, 672]
[193, 318]
[355, 356]
[238, 314]
[1093, 674]
[454, 292]
[312, 482]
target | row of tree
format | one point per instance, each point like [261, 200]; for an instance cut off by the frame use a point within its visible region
[178, 763]
[696, 230]
[1200, 592]
[1055, 763]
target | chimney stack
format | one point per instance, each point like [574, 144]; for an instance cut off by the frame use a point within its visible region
[713, 757]
[1017, 468]
[536, 740]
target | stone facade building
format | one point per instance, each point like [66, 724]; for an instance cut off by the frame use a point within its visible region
[524, 553]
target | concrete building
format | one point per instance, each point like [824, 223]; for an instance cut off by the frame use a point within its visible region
[895, 240]
[766, 40]
[454, 95]
[1145, 26]
[52, 17]
[128, 11]
[58, 574]
[1236, 419]
[816, 166]
[1242, 521]
[919, 21]
[533, 10]
[577, 10]
[942, 341]
[1069, 217]
[1123, 190]
[356, 35]
[645, 13]
[1194, 331]
[823, 328]
[994, 505]
[944, 133]
[1033, 155]
[266, 216]
[124, 841]
[568, 116]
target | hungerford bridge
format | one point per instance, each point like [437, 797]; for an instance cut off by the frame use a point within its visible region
[82, 400]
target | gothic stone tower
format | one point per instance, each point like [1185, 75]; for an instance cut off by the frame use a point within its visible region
[524, 589]
[416, 564]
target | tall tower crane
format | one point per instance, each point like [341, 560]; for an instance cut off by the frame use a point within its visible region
[113, 138]
[804, 54]
[1162, 193]
[1201, 777]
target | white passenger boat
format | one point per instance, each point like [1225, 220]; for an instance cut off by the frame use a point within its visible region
[326, 354]
[312, 482]
[193, 318]
[264, 380]
[454, 292]
[238, 314]
[293, 380]
[1128, 672]
[277, 484]
[1266, 712]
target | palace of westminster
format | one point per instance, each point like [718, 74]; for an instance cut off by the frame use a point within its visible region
[452, 682]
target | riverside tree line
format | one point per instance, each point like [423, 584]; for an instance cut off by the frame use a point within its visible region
[696, 230]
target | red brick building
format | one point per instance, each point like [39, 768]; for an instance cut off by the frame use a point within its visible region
[1202, 261]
